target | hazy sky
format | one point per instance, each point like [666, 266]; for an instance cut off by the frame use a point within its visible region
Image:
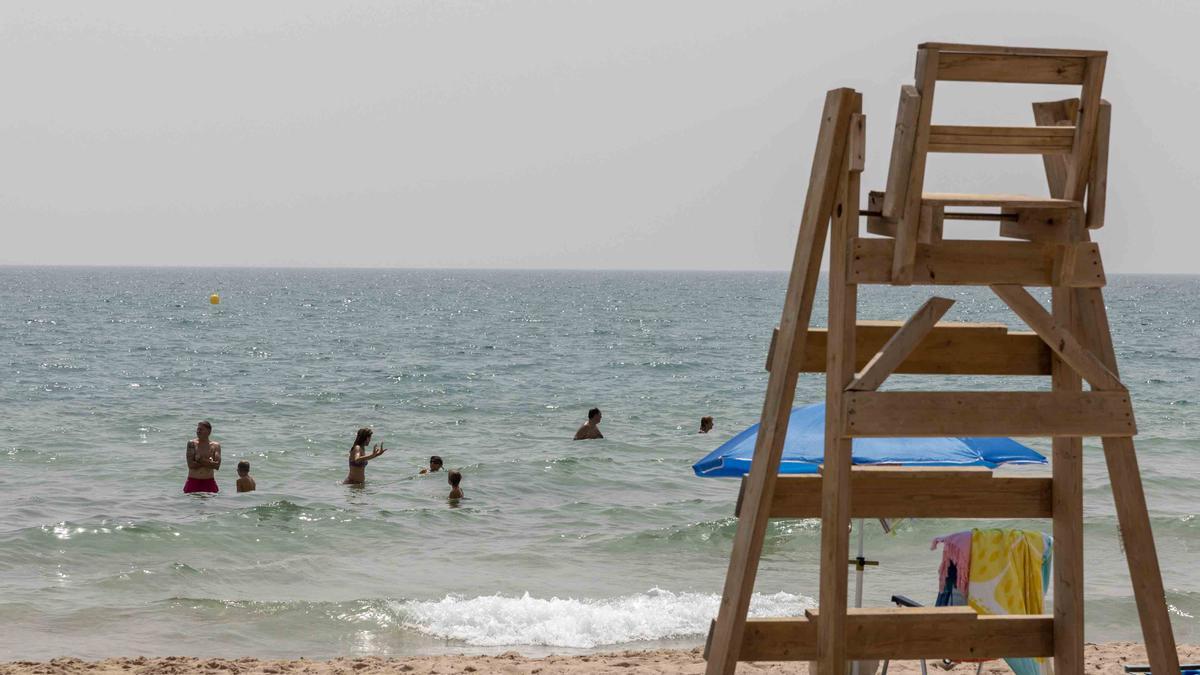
[544, 134]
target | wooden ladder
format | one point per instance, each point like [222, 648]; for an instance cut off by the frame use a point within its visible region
[1046, 244]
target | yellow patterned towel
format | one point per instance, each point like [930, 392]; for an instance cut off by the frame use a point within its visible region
[1009, 571]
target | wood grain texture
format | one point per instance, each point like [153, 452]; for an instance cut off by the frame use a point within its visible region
[985, 413]
[1001, 140]
[1059, 337]
[949, 349]
[977, 263]
[903, 140]
[915, 493]
[908, 224]
[828, 159]
[902, 343]
[1024, 68]
[924, 632]
[839, 369]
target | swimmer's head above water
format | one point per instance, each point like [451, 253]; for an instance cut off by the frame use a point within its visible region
[363, 437]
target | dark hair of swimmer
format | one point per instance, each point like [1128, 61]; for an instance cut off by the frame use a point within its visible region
[435, 460]
[243, 467]
[362, 438]
[593, 412]
[206, 424]
[455, 478]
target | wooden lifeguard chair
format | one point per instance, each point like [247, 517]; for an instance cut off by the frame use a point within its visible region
[1046, 243]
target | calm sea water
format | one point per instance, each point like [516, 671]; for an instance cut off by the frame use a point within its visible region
[561, 545]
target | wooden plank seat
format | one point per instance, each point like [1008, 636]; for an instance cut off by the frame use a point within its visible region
[999, 201]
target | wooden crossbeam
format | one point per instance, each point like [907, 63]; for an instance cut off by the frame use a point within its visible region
[1058, 337]
[1045, 225]
[949, 349]
[985, 413]
[901, 344]
[1001, 140]
[1008, 49]
[907, 633]
[961, 262]
[1024, 68]
[919, 492]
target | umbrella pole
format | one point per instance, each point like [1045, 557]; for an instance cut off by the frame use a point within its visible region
[858, 573]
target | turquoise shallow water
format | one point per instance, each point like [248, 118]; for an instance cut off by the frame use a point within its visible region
[561, 546]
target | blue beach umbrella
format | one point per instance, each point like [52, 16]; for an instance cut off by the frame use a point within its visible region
[804, 452]
[804, 449]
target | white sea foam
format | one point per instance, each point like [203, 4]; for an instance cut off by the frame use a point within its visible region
[498, 620]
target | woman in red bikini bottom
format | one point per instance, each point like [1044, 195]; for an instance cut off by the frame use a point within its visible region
[203, 458]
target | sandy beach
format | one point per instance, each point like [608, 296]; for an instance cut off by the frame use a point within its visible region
[1101, 659]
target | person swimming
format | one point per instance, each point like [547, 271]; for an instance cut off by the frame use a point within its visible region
[203, 458]
[435, 465]
[245, 483]
[454, 478]
[706, 424]
[359, 457]
[590, 428]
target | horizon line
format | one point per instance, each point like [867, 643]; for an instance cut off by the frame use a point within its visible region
[731, 270]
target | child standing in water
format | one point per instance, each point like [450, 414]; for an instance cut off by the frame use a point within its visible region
[454, 479]
[244, 482]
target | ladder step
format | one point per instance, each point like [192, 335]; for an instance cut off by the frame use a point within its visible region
[964, 262]
[950, 349]
[905, 633]
[918, 492]
[980, 413]
[996, 201]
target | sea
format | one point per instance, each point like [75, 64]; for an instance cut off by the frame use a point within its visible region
[560, 546]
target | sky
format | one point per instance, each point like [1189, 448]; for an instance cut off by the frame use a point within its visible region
[536, 134]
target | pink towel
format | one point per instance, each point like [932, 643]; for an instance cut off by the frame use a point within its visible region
[956, 548]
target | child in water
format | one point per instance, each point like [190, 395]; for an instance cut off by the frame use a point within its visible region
[244, 482]
[435, 465]
[454, 479]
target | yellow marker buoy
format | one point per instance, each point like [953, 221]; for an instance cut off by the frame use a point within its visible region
[214, 299]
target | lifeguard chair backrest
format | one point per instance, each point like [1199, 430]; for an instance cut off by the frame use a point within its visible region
[1071, 138]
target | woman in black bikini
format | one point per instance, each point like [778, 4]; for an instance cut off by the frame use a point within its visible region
[359, 457]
